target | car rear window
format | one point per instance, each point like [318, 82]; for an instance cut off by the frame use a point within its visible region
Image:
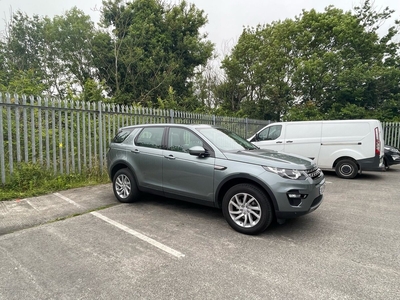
[121, 135]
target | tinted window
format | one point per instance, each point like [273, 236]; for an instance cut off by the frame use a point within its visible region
[150, 137]
[181, 139]
[121, 135]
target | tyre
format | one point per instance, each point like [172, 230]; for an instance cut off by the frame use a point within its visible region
[124, 186]
[386, 164]
[247, 209]
[346, 168]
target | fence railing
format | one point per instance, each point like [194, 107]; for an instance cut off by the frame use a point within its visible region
[391, 133]
[72, 136]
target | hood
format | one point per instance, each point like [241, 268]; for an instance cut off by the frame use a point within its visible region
[270, 158]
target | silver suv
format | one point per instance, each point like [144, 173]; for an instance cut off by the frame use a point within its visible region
[215, 167]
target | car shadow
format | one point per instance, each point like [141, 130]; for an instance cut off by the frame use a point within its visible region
[290, 228]
[364, 175]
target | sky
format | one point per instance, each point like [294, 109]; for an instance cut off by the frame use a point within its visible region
[226, 18]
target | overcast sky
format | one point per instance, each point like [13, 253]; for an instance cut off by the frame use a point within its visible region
[226, 18]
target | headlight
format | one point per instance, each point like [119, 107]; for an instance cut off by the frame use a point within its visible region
[287, 173]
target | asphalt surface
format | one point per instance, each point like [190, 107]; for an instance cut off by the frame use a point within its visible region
[83, 244]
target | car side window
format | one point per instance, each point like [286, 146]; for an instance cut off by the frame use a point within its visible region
[270, 133]
[121, 136]
[181, 139]
[150, 137]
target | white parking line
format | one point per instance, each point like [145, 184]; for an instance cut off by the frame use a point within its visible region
[127, 229]
[139, 235]
[67, 199]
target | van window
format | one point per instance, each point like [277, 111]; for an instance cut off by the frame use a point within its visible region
[270, 133]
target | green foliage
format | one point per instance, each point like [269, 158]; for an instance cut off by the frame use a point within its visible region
[320, 65]
[39, 54]
[154, 46]
[23, 83]
[31, 179]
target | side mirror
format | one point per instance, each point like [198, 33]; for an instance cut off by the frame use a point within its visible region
[198, 151]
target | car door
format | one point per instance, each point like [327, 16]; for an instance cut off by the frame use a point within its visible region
[146, 157]
[187, 176]
[271, 137]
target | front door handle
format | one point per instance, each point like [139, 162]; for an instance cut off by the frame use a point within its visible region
[170, 156]
[279, 142]
[135, 151]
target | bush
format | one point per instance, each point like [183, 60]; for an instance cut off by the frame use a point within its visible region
[30, 179]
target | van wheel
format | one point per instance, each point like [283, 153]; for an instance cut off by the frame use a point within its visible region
[346, 168]
[124, 186]
[247, 209]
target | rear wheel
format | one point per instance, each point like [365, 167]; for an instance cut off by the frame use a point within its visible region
[124, 186]
[247, 209]
[346, 168]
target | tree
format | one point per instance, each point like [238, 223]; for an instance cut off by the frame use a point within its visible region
[154, 47]
[333, 63]
[56, 52]
[70, 59]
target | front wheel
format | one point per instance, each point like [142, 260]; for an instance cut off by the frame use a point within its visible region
[386, 164]
[346, 168]
[247, 209]
[124, 186]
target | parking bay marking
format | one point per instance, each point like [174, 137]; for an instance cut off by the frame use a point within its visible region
[128, 230]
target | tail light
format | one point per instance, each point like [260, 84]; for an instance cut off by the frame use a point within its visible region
[377, 142]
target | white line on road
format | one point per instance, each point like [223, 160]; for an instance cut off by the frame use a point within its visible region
[68, 200]
[27, 201]
[127, 229]
[139, 235]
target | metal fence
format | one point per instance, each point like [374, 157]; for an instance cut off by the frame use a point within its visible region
[391, 133]
[69, 137]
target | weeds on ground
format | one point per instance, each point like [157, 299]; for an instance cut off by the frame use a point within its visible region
[30, 179]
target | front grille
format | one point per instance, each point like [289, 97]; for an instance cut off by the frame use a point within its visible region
[314, 172]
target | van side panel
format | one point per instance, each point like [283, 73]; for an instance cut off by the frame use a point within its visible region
[303, 139]
[353, 139]
[328, 141]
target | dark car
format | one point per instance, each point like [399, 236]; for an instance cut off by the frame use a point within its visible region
[215, 167]
[391, 157]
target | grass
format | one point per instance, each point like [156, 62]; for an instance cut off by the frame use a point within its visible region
[30, 180]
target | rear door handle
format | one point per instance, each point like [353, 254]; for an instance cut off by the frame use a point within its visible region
[135, 151]
[289, 141]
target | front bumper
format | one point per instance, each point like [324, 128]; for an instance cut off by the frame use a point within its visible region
[392, 158]
[299, 199]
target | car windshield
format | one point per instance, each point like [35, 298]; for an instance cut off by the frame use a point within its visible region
[226, 140]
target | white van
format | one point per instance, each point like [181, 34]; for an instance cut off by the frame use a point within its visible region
[347, 146]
